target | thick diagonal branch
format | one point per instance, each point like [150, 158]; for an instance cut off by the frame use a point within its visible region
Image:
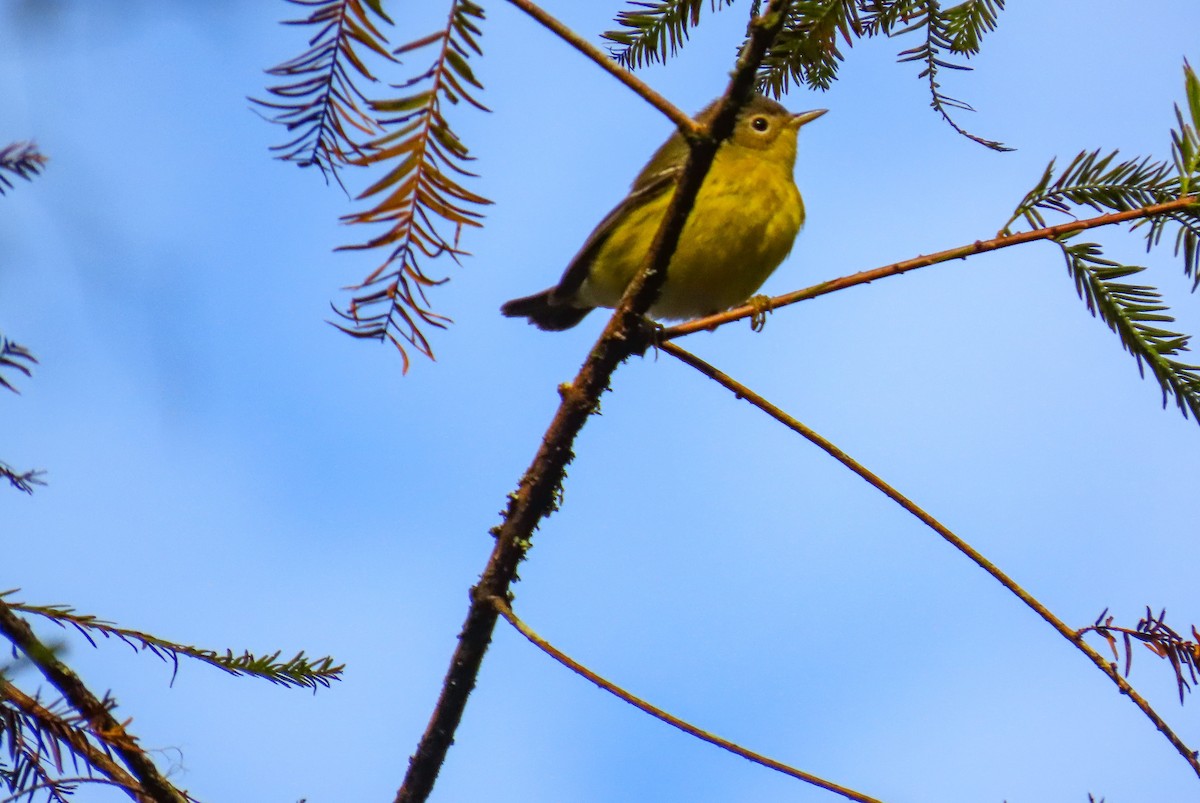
[539, 489]
[74, 738]
[98, 716]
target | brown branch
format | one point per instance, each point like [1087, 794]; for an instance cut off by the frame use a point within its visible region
[74, 738]
[896, 268]
[540, 488]
[685, 123]
[99, 718]
[503, 608]
[1075, 637]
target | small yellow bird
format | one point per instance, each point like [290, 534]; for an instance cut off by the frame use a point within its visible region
[745, 219]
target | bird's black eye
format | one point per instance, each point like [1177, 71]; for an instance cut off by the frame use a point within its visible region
[760, 123]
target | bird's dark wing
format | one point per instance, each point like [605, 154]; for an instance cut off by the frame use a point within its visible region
[646, 189]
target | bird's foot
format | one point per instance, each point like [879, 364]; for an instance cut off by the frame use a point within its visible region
[762, 307]
[648, 335]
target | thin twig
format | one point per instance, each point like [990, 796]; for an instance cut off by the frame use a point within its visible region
[1074, 636]
[637, 702]
[685, 123]
[73, 736]
[540, 487]
[896, 268]
[99, 718]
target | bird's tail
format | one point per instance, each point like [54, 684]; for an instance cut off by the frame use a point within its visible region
[545, 311]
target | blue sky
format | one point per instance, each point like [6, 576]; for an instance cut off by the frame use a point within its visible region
[227, 470]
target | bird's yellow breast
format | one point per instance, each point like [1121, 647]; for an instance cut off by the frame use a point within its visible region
[745, 219]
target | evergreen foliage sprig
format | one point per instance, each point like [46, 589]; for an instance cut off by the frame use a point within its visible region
[109, 746]
[37, 740]
[1135, 312]
[320, 97]
[957, 30]
[1095, 181]
[1162, 640]
[1185, 154]
[808, 49]
[653, 31]
[14, 356]
[21, 480]
[20, 160]
[421, 199]
[18, 358]
[297, 671]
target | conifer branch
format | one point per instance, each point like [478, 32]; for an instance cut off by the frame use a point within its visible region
[1185, 154]
[21, 480]
[654, 31]
[420, 200]
[957, 30]
[549, 649]
[740, 391]
[320, 97]
[19, 160]
[808, 51]
[16, 357]
[298, 671]
[540, 487]
[1152, 632]
[1094, 181]
[96, 713]
[37, 735]
[1136, 314]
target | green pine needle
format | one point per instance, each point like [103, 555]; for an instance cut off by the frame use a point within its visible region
[1135, 313]
[965, 24]
[14, 356]
[808, 50]
[20, 160]
[320, 101]
[655, 31]
[958, 30]
[1094, 181]
[296, 671]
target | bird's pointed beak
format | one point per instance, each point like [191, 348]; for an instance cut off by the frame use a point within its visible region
[806, 117]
